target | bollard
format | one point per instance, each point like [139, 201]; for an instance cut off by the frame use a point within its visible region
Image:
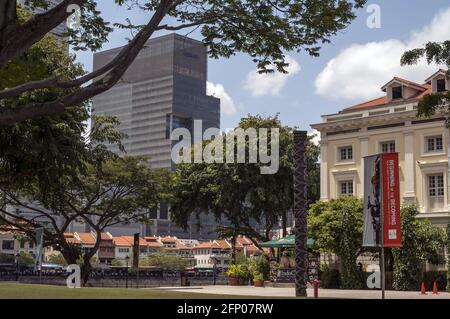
[316, 284]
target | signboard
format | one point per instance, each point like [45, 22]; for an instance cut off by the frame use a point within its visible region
[313, 267]
[391, 200]
[382, 227]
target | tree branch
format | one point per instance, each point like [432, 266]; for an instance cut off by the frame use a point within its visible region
[9, 116]
[19, 38]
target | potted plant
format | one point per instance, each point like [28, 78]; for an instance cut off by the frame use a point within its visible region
[233, 272]
[258, 279]
[245, 274]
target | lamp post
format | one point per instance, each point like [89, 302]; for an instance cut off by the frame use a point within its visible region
[214, 260]
[16, 261]
[127, 259]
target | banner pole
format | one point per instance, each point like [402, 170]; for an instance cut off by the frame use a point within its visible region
[383, 273]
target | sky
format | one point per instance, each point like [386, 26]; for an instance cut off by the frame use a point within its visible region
[350, 70]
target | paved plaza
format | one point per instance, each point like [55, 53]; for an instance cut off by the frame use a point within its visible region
[289, 292]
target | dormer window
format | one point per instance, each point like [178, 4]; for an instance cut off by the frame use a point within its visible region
[397, 92]
[440, 85]
[439, 81]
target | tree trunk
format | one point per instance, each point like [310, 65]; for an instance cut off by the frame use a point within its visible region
[233, 249]
[284, 223]
[301, 253]
[86, 270]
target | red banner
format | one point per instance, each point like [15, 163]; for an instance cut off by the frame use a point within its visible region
[391, 200]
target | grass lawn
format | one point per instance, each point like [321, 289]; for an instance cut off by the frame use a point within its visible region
[24, 291]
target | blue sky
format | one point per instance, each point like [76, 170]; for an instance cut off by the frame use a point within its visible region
[350, 70]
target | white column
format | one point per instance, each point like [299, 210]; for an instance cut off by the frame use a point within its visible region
[408, 171]
[448, 167]
[364, 145]
[323, 170]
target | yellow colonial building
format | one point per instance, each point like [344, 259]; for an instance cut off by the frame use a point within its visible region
[390, 124]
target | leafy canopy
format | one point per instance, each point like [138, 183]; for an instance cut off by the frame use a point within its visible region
[263, 29]
[433, 52]
[421, 242]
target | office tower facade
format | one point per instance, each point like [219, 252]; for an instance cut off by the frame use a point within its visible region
[164, 89]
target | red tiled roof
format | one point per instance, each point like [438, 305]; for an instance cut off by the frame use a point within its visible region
[155, 244]
[405, 82]
[168, 239]
[106, 236]
[122, 241]
[181, 245]
[224, 244]
[205, 245]
[252, 249]
[244, 240]
[384, 100]
[85, 238]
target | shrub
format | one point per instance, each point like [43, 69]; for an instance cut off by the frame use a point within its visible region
[260, 265]
[329, 278]
[420, 241]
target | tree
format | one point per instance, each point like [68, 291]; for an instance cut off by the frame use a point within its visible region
[238, 192]
[439, 53]
[337, 227]
[25, 259]
[264, 29]
[44, 149]
[57, 259]
[109, 192]
[116, 263]
[165, 261]
[420, 243]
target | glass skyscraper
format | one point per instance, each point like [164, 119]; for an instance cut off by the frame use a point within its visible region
[163, 89]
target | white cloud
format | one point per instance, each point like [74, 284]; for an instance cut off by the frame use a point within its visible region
[227, 105]
[360, 70]
[270, 83]
[316, 138]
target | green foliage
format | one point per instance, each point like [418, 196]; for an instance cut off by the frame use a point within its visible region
[262, 29]
[165, 261]
[258, 276]
[260, 267]
[238, 191]
[57, 259]
[336, 227]
[41, 149]
[420, 243]
[265, 30]
[116, 263]
[240, 271]
[329, 278]
[25, 259]
[6, 259]
[438, 53]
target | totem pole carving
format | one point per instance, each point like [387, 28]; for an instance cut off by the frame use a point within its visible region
[300, 203]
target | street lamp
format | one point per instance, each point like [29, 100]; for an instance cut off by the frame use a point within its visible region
[127, 259]
[16, 261]
[214, 260]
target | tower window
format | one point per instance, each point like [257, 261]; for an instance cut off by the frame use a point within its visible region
[397, 92]
[440, 85]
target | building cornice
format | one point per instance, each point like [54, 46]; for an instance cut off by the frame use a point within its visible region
[373, 120]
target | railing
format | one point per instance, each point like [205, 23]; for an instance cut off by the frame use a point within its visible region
[117, 279]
